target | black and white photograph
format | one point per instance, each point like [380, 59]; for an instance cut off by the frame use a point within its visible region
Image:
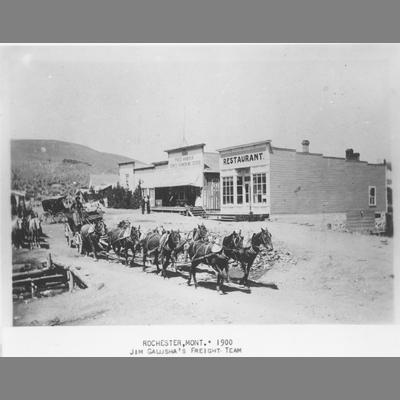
[202, 184]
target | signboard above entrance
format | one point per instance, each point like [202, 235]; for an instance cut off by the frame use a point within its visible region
[185, 161]
[243, 160]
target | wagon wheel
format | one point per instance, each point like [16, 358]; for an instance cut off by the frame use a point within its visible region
[78, 242]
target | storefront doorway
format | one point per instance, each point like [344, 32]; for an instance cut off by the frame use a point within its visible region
[243, 187]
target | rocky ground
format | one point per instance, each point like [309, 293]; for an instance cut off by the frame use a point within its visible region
[311, 276]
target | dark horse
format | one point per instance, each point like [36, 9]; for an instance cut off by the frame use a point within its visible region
[168, 244]
[231, 244]
[201, 252]
[124, 237]
[247, 255]
[150, 245]
[91, 235]
[199, 232]
[18, 232]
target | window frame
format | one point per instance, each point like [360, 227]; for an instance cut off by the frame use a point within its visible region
[371, 197]
[259, 183]
[228, 191]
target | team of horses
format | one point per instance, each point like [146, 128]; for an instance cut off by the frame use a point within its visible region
[163, 247]
[26, 229]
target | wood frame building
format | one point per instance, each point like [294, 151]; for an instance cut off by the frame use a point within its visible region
[258, 178]
[189, 176]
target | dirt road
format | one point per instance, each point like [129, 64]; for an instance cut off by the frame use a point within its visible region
[338, 278]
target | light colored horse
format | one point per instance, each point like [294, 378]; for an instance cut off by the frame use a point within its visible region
[34, 229]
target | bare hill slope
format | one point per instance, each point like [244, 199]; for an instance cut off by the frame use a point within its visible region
[43, 167]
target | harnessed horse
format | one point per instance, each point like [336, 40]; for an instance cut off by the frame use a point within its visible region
[91, 235]
[247, 255]
[34, 229]
[150, 244]
[203, 253]
[168, 245]
[199, 233]
[125, 237]
[18, 232]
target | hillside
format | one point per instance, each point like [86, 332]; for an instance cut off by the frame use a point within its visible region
[48, 167]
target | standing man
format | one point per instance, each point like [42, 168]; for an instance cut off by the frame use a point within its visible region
[79, 205]
[143, 204]
[148, 204]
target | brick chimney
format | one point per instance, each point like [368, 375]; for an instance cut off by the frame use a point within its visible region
[306, 146]
[349, 154]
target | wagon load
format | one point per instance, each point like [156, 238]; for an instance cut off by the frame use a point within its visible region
[55, 208]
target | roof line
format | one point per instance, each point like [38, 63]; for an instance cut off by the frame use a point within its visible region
[244, 145]
[127, 162]
[142, 168]
[283, 148]
[192, 146]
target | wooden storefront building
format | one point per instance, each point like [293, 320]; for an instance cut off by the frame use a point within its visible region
[189, 177]
[258, 178]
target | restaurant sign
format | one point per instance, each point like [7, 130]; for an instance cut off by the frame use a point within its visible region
[243, 160]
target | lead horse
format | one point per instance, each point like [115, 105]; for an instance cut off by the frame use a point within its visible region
[246, 255]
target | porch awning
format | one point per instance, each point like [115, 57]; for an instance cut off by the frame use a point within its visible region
[181, 177]
[170, 177]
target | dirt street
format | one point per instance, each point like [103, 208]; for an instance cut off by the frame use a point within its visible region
[331, 277]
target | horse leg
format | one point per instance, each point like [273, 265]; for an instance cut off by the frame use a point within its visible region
[190, 275]
[228, 278]
[165, 265]
[132, 263]
[156, 254]
[193, 273]
[219, 279]
[126, 253]
[246, 275]
[93, 248]
[144, 258]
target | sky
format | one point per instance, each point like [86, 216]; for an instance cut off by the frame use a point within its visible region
[139, 100]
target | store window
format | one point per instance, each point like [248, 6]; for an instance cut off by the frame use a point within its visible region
[227, 190]
[372, 196]
[259, 188]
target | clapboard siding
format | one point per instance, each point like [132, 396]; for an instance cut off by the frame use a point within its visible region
[360, 221]
[305, 183]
